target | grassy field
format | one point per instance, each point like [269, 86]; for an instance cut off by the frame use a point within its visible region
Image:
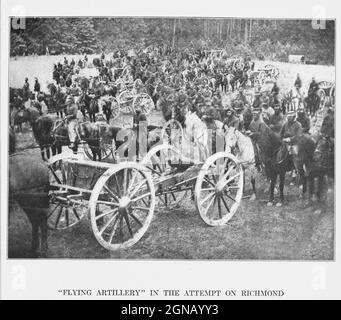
[300, 230]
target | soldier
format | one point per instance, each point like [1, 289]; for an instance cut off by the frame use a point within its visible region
[230, 120]
[277, 120]
[298, 84]
[36, 87]
[267, 112]
[313, 87]
[26, 90]
[291, 129]
[303, 119]
[71, 117]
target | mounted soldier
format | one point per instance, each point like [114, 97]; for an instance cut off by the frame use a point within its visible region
[277, 120]
[292, 129]
[303, 119]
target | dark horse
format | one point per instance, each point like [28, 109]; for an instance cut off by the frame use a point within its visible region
[275, 160]
[314, 158]
[29, 186]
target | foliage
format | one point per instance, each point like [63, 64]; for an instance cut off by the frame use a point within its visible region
[269, 39]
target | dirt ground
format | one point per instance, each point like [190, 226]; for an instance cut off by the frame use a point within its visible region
[300, 230]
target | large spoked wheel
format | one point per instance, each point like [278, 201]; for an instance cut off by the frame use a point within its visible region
[162, 161]
[219, 189]
[115, 108]
[62, 214]
[125, 100]
[172, 133]
[122, 205]
[332, 96]
[145, 102]
[323, 98]
[107, 150]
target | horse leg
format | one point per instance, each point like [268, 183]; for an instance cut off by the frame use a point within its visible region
[32, 216]
[273, 179]
[311, 182]
[253, 183]
[281, 188]
[44, 230]
[42, 152]
[320, 186]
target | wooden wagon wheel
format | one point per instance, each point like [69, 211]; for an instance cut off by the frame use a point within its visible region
[219, 188]
[115, 108]
[172, 133]
[332, 95]
[107, 149]
[62, 215]
[125, 100]
[122, 205]
[323, 98]
[160, 160]
[145, 102]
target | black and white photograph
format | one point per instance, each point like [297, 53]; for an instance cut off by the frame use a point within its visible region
[171, 138]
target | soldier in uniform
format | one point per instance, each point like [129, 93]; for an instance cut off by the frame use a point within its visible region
[303, 119]
[291, 129]
[277, 120]
[230, 120]
[26, 90]
[72, 121]
[36, 87]
[267, 112]
[298, 84]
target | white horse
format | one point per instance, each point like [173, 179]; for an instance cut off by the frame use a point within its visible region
[241, 146]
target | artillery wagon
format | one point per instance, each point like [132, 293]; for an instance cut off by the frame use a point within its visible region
[122, 198]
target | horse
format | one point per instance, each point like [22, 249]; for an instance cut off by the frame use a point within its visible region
[312, 102]
[18, 116]
[29, 186]
[314, 158]
[242, 147]
[275, 158]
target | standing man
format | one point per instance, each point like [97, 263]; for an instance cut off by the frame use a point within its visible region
[298, 84]
[26, 90]
[71, 116]
[36, 88]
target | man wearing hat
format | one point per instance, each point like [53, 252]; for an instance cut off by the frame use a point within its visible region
[303, 119]
[327, 127]
[291, 129]
[277, 120]
[298, 84]
[257, 125]
[36, 87]
[230, 120]
[26, 90]
[275, 92]
[71, 116]
[267, 112]
[257, 102]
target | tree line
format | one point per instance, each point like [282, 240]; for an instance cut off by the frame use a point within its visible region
[259, 38]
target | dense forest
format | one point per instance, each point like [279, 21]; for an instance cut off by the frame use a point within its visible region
[261, 39]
